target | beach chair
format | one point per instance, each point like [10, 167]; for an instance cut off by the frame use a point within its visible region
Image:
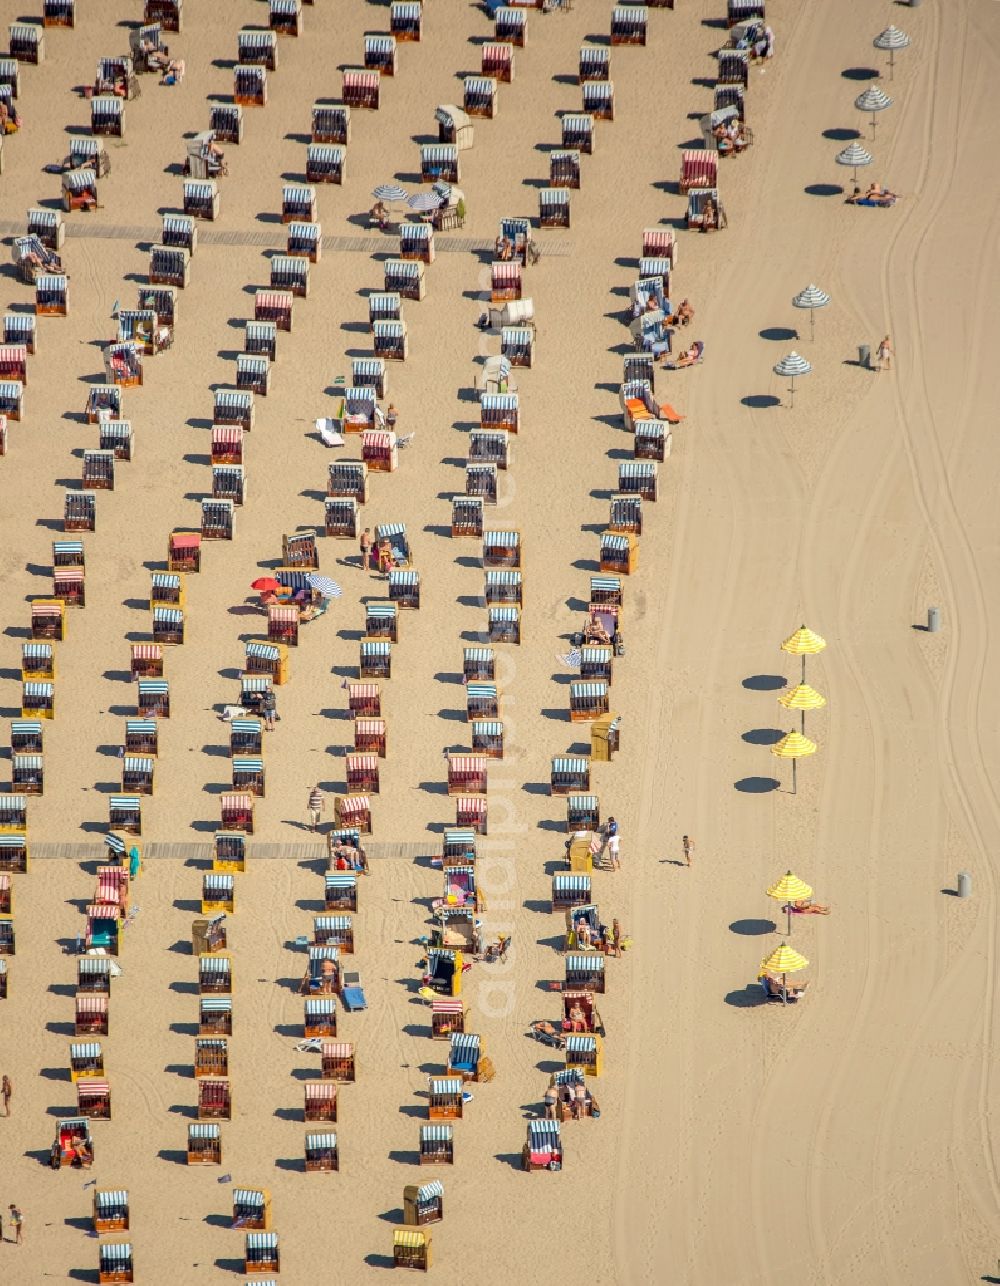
[411, 1248]
[25, 738]
[653, 440]
[502, 549]
[487, 738]
[253, 372]
[439, 163]
[585, 972]
[111, 1210]
[738, 11]
[20, 331]
[13, 856]
[211, 1057]
[234, 406]
[364, 700]
[330, 124]
[500, 411]
[505, 281]
[596, 664]
[406, 20]
[38, 700]
[170, 264]
[48, 227]
[395, 534]
[416, 241]
[69, 584]
[86, 1061]
[472, 811]
[498, 62]
[361, 88]
[256, 48]
[481, 701]
[10, 82]
[404, 277]
[230, 847]
[14, 358]
[583, 813]
[467, 774]
[389, 341]
[92, 1011]
[638, 478]
[423, 1203]
[140, 326]
[93, 1099]
[26, 43]
[163, 303]
[510, 26]
[125, 811]
[480, 98]
[444, 1102]
[569, 775]
[27, 774]
[570, 891]
[184, 551]
[107, 116]
[215, 974]
[599, 99]
[481, 480]
[58, 13]
[564, 168]
[48, 619]
[246, 738]
[585, 1054]
[504, 625]
[201, 199]
[115, 1262]
[491, 445]
[217, 893]
[250, 83]
[215, 1016]
[734, 69]
[260, 339]
[380, 54]
[337, 1062]
[286, 17]
[226, 122]
[370, 737]
[543, 1150]
[153, 699]
[382, 621]
[4, 980]
[503, 587]
[454, 127]
[168, 13]
[517, 345]
[142, 738]
[594, 64]
[362, 773]
[237, 812]
[587, 701]
[404, 588]
[104, 401]
[320, 1016]
[204, 1144]
[341, 516]
[52, 295]
[467, 516]
[478, 665]
[437, 1145]
[214, 1100]
[274, 306]
[699, 169]
[79, 190]
[320, 1101]
[553, 208]
[384, 305]
[217, 519]
[628, 24]
[578, 133]
[13, 816]
[137, 774]
[375, 659]
[252, 1206]
[298, 203]
[290, 273]
[353, 811]
[321, 1153]
[466, 1056]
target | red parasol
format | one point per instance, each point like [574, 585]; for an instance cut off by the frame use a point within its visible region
[264, 583]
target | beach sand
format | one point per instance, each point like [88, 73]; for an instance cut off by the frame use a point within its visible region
[847, 1139]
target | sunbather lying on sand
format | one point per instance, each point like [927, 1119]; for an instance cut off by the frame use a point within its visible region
[688, 357]
[806, 906]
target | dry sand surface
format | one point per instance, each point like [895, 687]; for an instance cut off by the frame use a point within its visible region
[844, 1140]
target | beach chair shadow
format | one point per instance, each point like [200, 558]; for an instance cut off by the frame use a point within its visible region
[380, 1261]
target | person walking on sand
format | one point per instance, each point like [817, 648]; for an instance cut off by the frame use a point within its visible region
[315, 807]
[688, 844]
[884, 355]
[6, 1093]
[270, 706]
[613, 843]
[366, 547]
[610, 833]
[16, 1223]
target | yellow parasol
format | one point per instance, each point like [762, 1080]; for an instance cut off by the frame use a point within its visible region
[803, 643]
[790, 889]
[793, 746]
[783, 960]
[802, 697]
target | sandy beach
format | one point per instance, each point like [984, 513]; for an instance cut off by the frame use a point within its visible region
[844, 1139]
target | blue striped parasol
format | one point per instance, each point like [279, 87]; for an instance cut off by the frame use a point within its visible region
[327, 587]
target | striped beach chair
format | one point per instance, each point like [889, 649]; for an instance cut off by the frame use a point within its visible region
[38, 700]
[111, 1210]
[340, 893]
[502, 586]
[26, 43]
[58, 13]
[270, 658]
[587, 700]
[142, 737]
[250, 85]
[628, 24]
[406, 20]
[21, 331]
[389, 341]
[510, 26]
[380, 54]
[341, 515]
[472, 811]
[491, 445]
[375, 659]
[306, 239]
[569, 775]
[653, 440]
[107, 116]
[146, 661]
[370, 737]
[585, 972]
[487, 738]
[286, 17]
[153, 699]
[423, 1203]
[246, 737]
[226, 122]
[502, 549]
[321, 1153]
[625, 516]
[638, 478]
[215, 1015]
[404, 277]
[248, 775]
[364, 700]
[52, 295]
[115, 1262]
[738, 11]
[204, 1144]
[201, 199]
[290, 273]
[237, 812]
[47, 225]
[478, 665]
[48, 619]
[298, 203]
[412, 1248]
[25, 738]
[91, 1014]
[439, 163]
[125, 814]
[256, 48]
[361, 88]
[437, 1145]
[168, 625]
[699, 169]
[386, 305]
[362, 773]
[553, 208]
[467, 774]
[599, 99]
[217, 519]
[444, 1102]
[596, 662]
[274, 306]
[404, 588]
[504, 624]
[215, 975]
[330, 124]
[168, 13]
[416, 241]
[93, 1100]
[69, 586]
[326, 163]
[570, 891]
[480, 97]
[170, 265]
[564, 168]
[467, 516]
[337, 1059]
[137, 774]
[320, 1016]
[14, 357]
[320, 1101]
[93, 976]
[543, 1150]
[217, 893]
[353, 811]
[481, 701]
[260, 339]
[211, 1057]
[481, 480]
[379, 449]
[27, 774]
[734, 69]
[594, 64]
[498, 61]
[86, 1060]
[253, 373]
[578, 132]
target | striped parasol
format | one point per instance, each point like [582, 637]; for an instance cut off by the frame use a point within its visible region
[790, 889]
[389, 192]
[794, 746]
[891, 39]
[854, 155]
[873, 100]
[327, 587]
[802, 697]
[424, 201]
[784, 960]
[812, 298]
[803, 643]
[791, 367]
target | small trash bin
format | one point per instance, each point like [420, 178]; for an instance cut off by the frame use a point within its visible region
[865, 356]
[933, 620]
[964, 884]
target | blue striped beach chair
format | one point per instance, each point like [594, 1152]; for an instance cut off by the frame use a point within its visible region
[125, 814]
[58, 13]
[290, 273]
[116, 1262]
[404, 277]
[578, 132]
[111, 1210]
[204, 1144]
[423, 1203]
[406, 20]
[248, 775]
[137, 774]
[380, 54]
[298, 203]
[543, 1150]
[26, 737]
[444, 1100]
[585, 972]
[168, 625]
[587, 700]
[260, 339]
[320, 1017]
[502, 549]
[37, 661]
[481, 701]
[142, 737]
[330, 124]
[570, 890]
[218, 893]
[629, 24]
[599, 99]
[252, 1208]
[480, 97]
[246, 737]
[21, 330]
[256, 48]
[153, 699]
[569, 775]
[510, 26]
[439, 163]
[261, 1253]
[321, 1153]
[504, 624]
[437, 1145]
[26, 43]
[467, 516]
[38, 700]
[226, 122]
[229, 849]
[286, 17]
[215, 1015]
[250, 85]
[583, 812]
[170, 265]
[27, 774]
